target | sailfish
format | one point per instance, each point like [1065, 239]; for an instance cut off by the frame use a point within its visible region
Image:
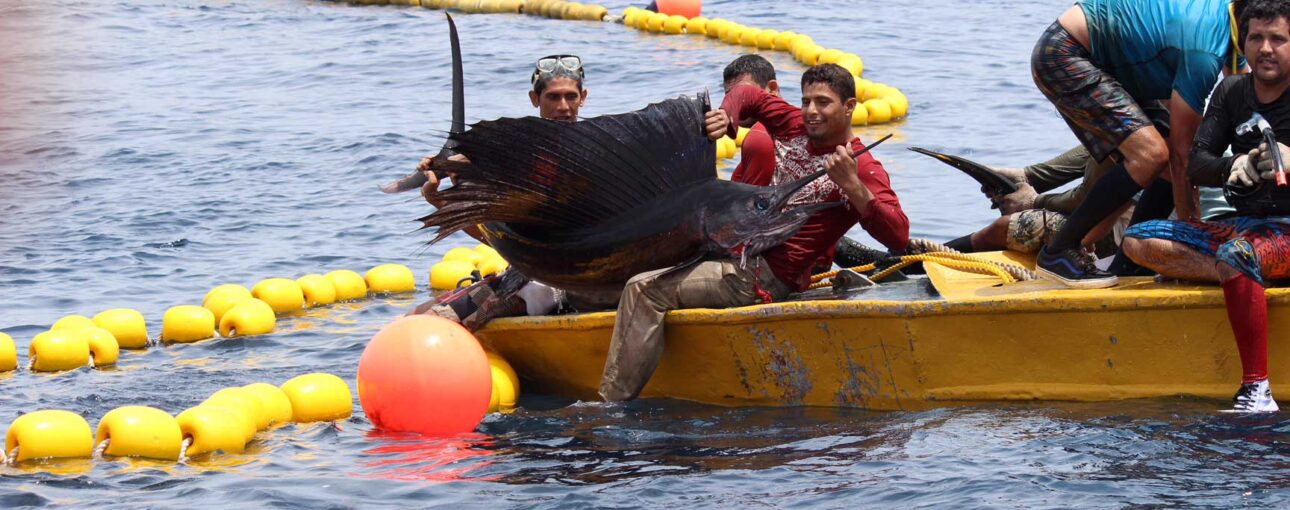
[589, 204]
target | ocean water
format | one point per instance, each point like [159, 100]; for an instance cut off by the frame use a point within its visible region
[152, 149]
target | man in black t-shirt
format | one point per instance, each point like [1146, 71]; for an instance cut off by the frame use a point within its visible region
[1242, 252]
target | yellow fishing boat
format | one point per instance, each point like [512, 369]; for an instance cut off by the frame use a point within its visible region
[965, 337]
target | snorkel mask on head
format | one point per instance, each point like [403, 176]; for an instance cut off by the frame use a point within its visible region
[557, 66]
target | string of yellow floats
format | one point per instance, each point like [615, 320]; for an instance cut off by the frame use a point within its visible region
[225, 422]
[76, 341]
[879, 103]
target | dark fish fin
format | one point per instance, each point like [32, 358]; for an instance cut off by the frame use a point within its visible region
[458, 91]
[532, 171]
[990, 179]
[416, 180]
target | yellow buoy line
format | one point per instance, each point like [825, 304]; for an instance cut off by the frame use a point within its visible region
[879, 103]
[225, 422]
[231, 310]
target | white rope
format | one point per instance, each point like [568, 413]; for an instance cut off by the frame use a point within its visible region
[98, 450]
[11, 458]
[91, 361]
[31, 363]
[183, 449]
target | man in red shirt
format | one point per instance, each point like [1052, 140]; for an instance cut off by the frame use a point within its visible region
[757, 155]
[816, 136]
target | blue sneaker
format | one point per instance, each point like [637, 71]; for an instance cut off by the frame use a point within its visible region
[1072, 268]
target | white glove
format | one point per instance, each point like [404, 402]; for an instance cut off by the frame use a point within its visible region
[1265, 164]
[1243, 173]
[539, 299]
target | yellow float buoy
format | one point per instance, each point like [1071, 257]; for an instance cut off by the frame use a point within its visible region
[898, 102]
[506, 383]
[140, 431]
[800, 42]
[829, 56]
[248, 318]
[223, 297]
[852, 63]
[595, 13]
[318, 397]
[225, 291]
[810, 55]
[213, 429]
[571, 11]
[766, 39]
[874, 91]
[784, 39]
[349, 285]
[391, 278]
[741, 135]
[283, 295]
[696, 26]
[318, 290]
[655, 21]
[674, 25]
[860, 116]
[241, 398]
[879, 111]
[104, 348]
[8, 353]
[128, 326]
[730, 33]
[630, 15]
[274, 403]
[749, 37]
[493, 265]
[714, 26]
[447, 274]
[50, 434]
[59, 349]
[239, 418]
[726, 148]
[187, 323]
[487, 251]
[463, 254]
[73, 322]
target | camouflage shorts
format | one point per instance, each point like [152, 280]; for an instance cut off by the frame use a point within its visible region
[1029, 230]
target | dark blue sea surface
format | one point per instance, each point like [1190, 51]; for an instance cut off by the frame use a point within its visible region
[152, 149]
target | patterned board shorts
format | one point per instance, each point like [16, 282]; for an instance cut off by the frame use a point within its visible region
[1093, 103]
[1257, 247]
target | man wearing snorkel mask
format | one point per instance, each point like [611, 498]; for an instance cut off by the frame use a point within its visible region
[557, 94]
[1097, 64]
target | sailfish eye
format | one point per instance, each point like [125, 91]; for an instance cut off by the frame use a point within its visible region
[761, 204]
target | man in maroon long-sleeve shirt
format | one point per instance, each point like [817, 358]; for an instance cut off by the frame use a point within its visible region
[816, 136]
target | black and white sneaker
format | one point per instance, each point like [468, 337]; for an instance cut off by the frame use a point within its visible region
[1072, 268]
[1255, 397]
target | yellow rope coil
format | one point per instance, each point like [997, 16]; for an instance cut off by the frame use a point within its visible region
[959, 261]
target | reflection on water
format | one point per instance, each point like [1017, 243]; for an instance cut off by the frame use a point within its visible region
[153, 149]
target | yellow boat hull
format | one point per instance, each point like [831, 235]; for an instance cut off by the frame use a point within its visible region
[981, 341]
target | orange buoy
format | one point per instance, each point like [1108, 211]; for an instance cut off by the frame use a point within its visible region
[687, 8]
[424, 374]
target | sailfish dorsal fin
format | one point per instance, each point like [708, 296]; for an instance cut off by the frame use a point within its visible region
[571, 175]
